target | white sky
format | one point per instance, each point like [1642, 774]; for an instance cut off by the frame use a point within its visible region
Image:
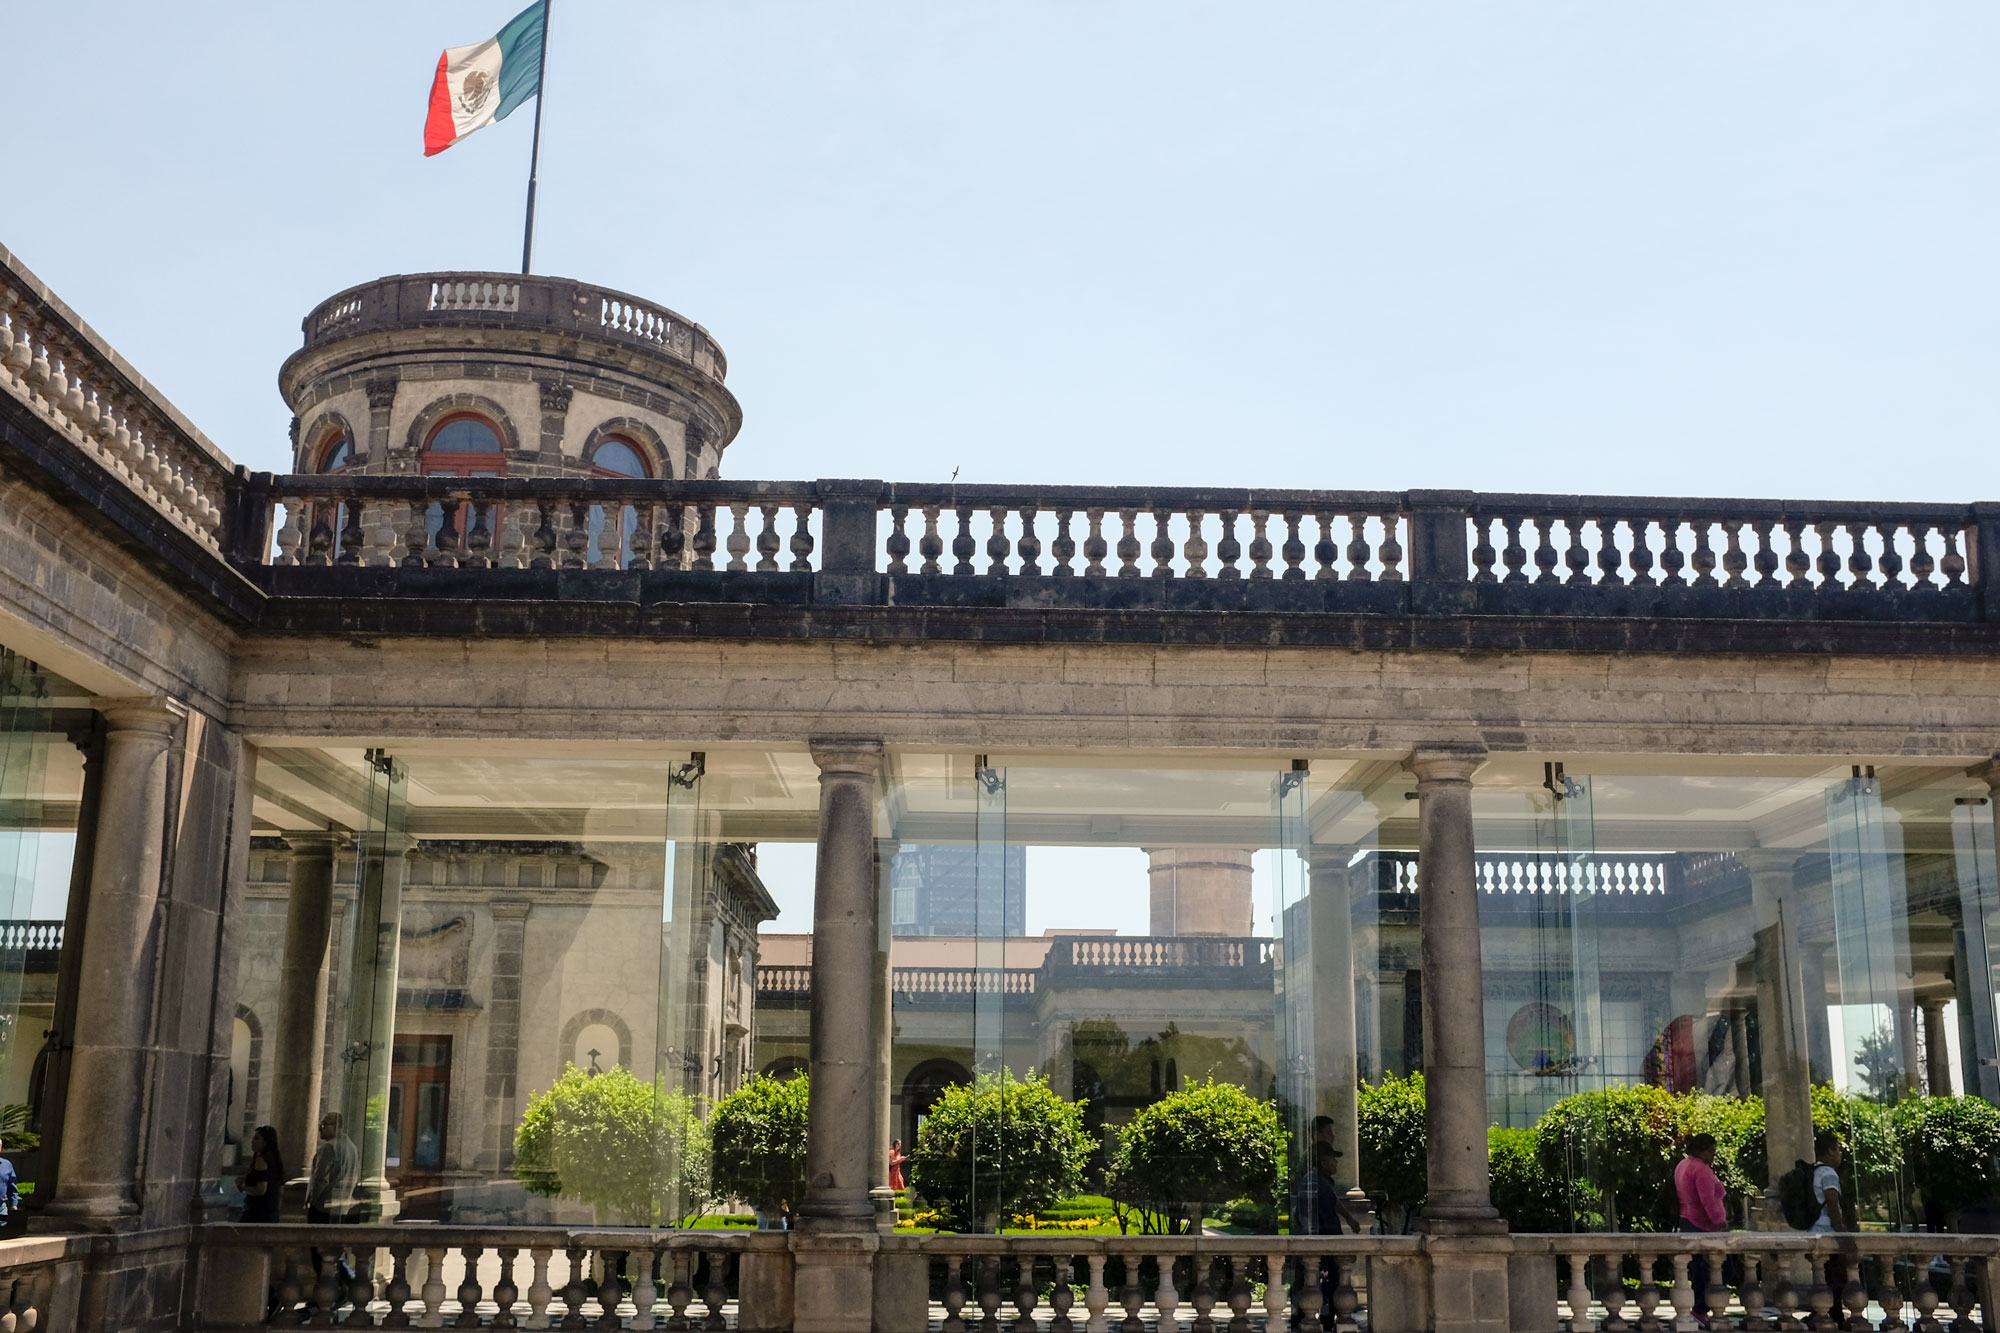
[1695, 248]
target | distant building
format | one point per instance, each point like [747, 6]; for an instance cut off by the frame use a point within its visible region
[937, 890]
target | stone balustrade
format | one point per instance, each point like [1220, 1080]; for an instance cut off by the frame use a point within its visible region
[39, 1279]
[510, 300]
[1131, 548]
[1516, 874]
[129, 438]
[526, 1277]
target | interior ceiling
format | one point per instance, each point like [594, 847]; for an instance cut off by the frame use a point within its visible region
[583, 793]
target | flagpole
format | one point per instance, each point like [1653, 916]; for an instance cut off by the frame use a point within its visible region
[535, 153]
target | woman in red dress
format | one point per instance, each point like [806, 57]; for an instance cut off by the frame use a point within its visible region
[896, 1159]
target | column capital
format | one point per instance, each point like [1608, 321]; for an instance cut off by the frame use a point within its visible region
[846, 756]
[1447, 761]
[509, 909]
[144, 716]
[1987, 771]
[322, 842]
[1768, 860]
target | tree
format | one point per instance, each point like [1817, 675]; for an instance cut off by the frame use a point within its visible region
[1878, 1061]
[1395, 1156]
[1952, 1146]
[1206, 1144]
[635, 1152]
[996, 1146]
[1613, 1149]
[1522, 1190]
[758, 1135]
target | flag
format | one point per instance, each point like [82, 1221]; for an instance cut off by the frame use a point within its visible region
[479, 84]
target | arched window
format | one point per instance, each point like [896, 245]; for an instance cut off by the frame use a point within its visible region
[464, 434]
[616, 456]
[336, 453]
[461, 445]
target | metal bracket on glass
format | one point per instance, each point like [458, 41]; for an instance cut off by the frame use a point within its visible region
[691, 772]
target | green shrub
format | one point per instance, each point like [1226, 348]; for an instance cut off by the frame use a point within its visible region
[758, 1135]
[1867, 1133]
[635, 1152]
[1522, 1190]
[1394, 1155]
[1738, 1126]
[1952, 1148]
[1612, 1150]
[995, 1147]
[1208, 1143]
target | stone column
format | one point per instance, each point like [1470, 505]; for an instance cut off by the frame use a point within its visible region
[1905, 1010]
[1937, 1055]
[1819, 1029]
[1783, 1038]
[296, 1053]
[1335, 1069]
[882, 1197]
[371, 1017]
[843, 1050]
[1200, 890]
[1979, 1041]
[1453, 992]
[106, 1104]
[503, 1032]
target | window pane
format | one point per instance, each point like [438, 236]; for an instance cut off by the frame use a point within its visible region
[620, 457]
[466, 435]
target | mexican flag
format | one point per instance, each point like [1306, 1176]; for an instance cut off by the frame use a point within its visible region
[479, 84]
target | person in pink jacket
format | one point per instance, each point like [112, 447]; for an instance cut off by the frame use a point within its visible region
[1700, 1191]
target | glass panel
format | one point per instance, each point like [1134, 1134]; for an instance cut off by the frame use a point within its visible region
[367, 1047]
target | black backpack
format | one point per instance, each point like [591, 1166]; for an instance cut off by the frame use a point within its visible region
[1795, 1197]
[1667, 1206]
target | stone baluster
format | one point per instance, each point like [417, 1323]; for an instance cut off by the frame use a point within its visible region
[1311, 1301]
[1062, 1296]
[325, 1289]
[802, 538]
[505, 1291]
[1165, 1299]
[680, 1288]
[434, 1288]
[1096, 1297]
[988, 1269]
[1952, 563]
[1274, 1290]
[954, 1293]
[1828, 560]
[716, 1294]
[963, 545]
[898, 544]
[610, 1290]
[1483, 554]
[1798, 565]
[1926, 1301]
[538, 540]
[1682, 1296]
[1891, 562]
[1128, 544]
[1026, 1297]
[1240, 1295]
[1260, 544]
[1326, 551]
[1062, 551]
[670, 534]
[1162, 549]
[645, 1289]
[1642, 553]
[1611, 1292]
[396, 1292]
[1579, 1293]
[1702, 559]
[738, 541]
[1672, 559]
[1766, 560]
[1576, 557]
[1390, 551]
[290, 533]
[469, 1290]
[1860, 565]
[1095, 547]
[1922, 562]
[1228, 549]
[539, 1292]
[385, 538]
[769, 543]
[1514, 556]
[1961, 1298]
[930, 545]
[452, 552]
[1820, 1298]
[1717, 1296]
[1855, 1297]
[479, 534]
[1546, 556]
[1755, 1299]
[1029, 546]
[1890, 1296]
[1293, 552]
[353, 536]
[1132, 1296]
[1358, 550]
[1611, 560]
[576, 536]
[704, 537]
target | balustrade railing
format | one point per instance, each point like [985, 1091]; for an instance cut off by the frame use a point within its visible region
[776, 983]
[1053, 1282]
[1118, 547]
[1523, 873]
[417, 300]
[54, 364]
[1157, 952]
[38, 1281]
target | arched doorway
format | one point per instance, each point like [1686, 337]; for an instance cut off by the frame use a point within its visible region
[921, 1090]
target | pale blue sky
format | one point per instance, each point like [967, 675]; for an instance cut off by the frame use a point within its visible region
[1646, 247]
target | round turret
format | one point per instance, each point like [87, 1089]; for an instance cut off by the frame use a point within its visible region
[491, 374]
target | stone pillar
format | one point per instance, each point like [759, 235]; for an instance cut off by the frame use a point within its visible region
[1453, 993]
[1200, 890]
[1335, 1070]
[503, 1032]
[843, 1049]
[1979, 1041]
[1937, 1054]
[1905, 1011]
[834, 1250]
[105, 1108]
[882, 1196]
[1819, 1029]
[1783, 1038]
[296, 1053]
[371, 1016]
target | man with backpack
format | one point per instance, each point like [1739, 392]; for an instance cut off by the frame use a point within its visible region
[1700, 1194]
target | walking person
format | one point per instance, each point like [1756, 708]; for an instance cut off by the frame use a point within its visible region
[1319, 1210]
[336, 1167]
[1835, 1212]
[897, 1160]
[265, 1180]
[1701, 1209]
[10, 1190]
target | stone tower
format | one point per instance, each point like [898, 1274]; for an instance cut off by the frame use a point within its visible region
[490, 374]
[1200, 890]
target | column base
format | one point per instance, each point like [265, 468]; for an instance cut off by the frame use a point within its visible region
[833, 1283]
[84, 1209]
[883, 1200]
[1470, 1292]
[1463, 1220]
[1363, 1209]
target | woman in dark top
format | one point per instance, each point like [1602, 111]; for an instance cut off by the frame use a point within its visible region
[265, 1181]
